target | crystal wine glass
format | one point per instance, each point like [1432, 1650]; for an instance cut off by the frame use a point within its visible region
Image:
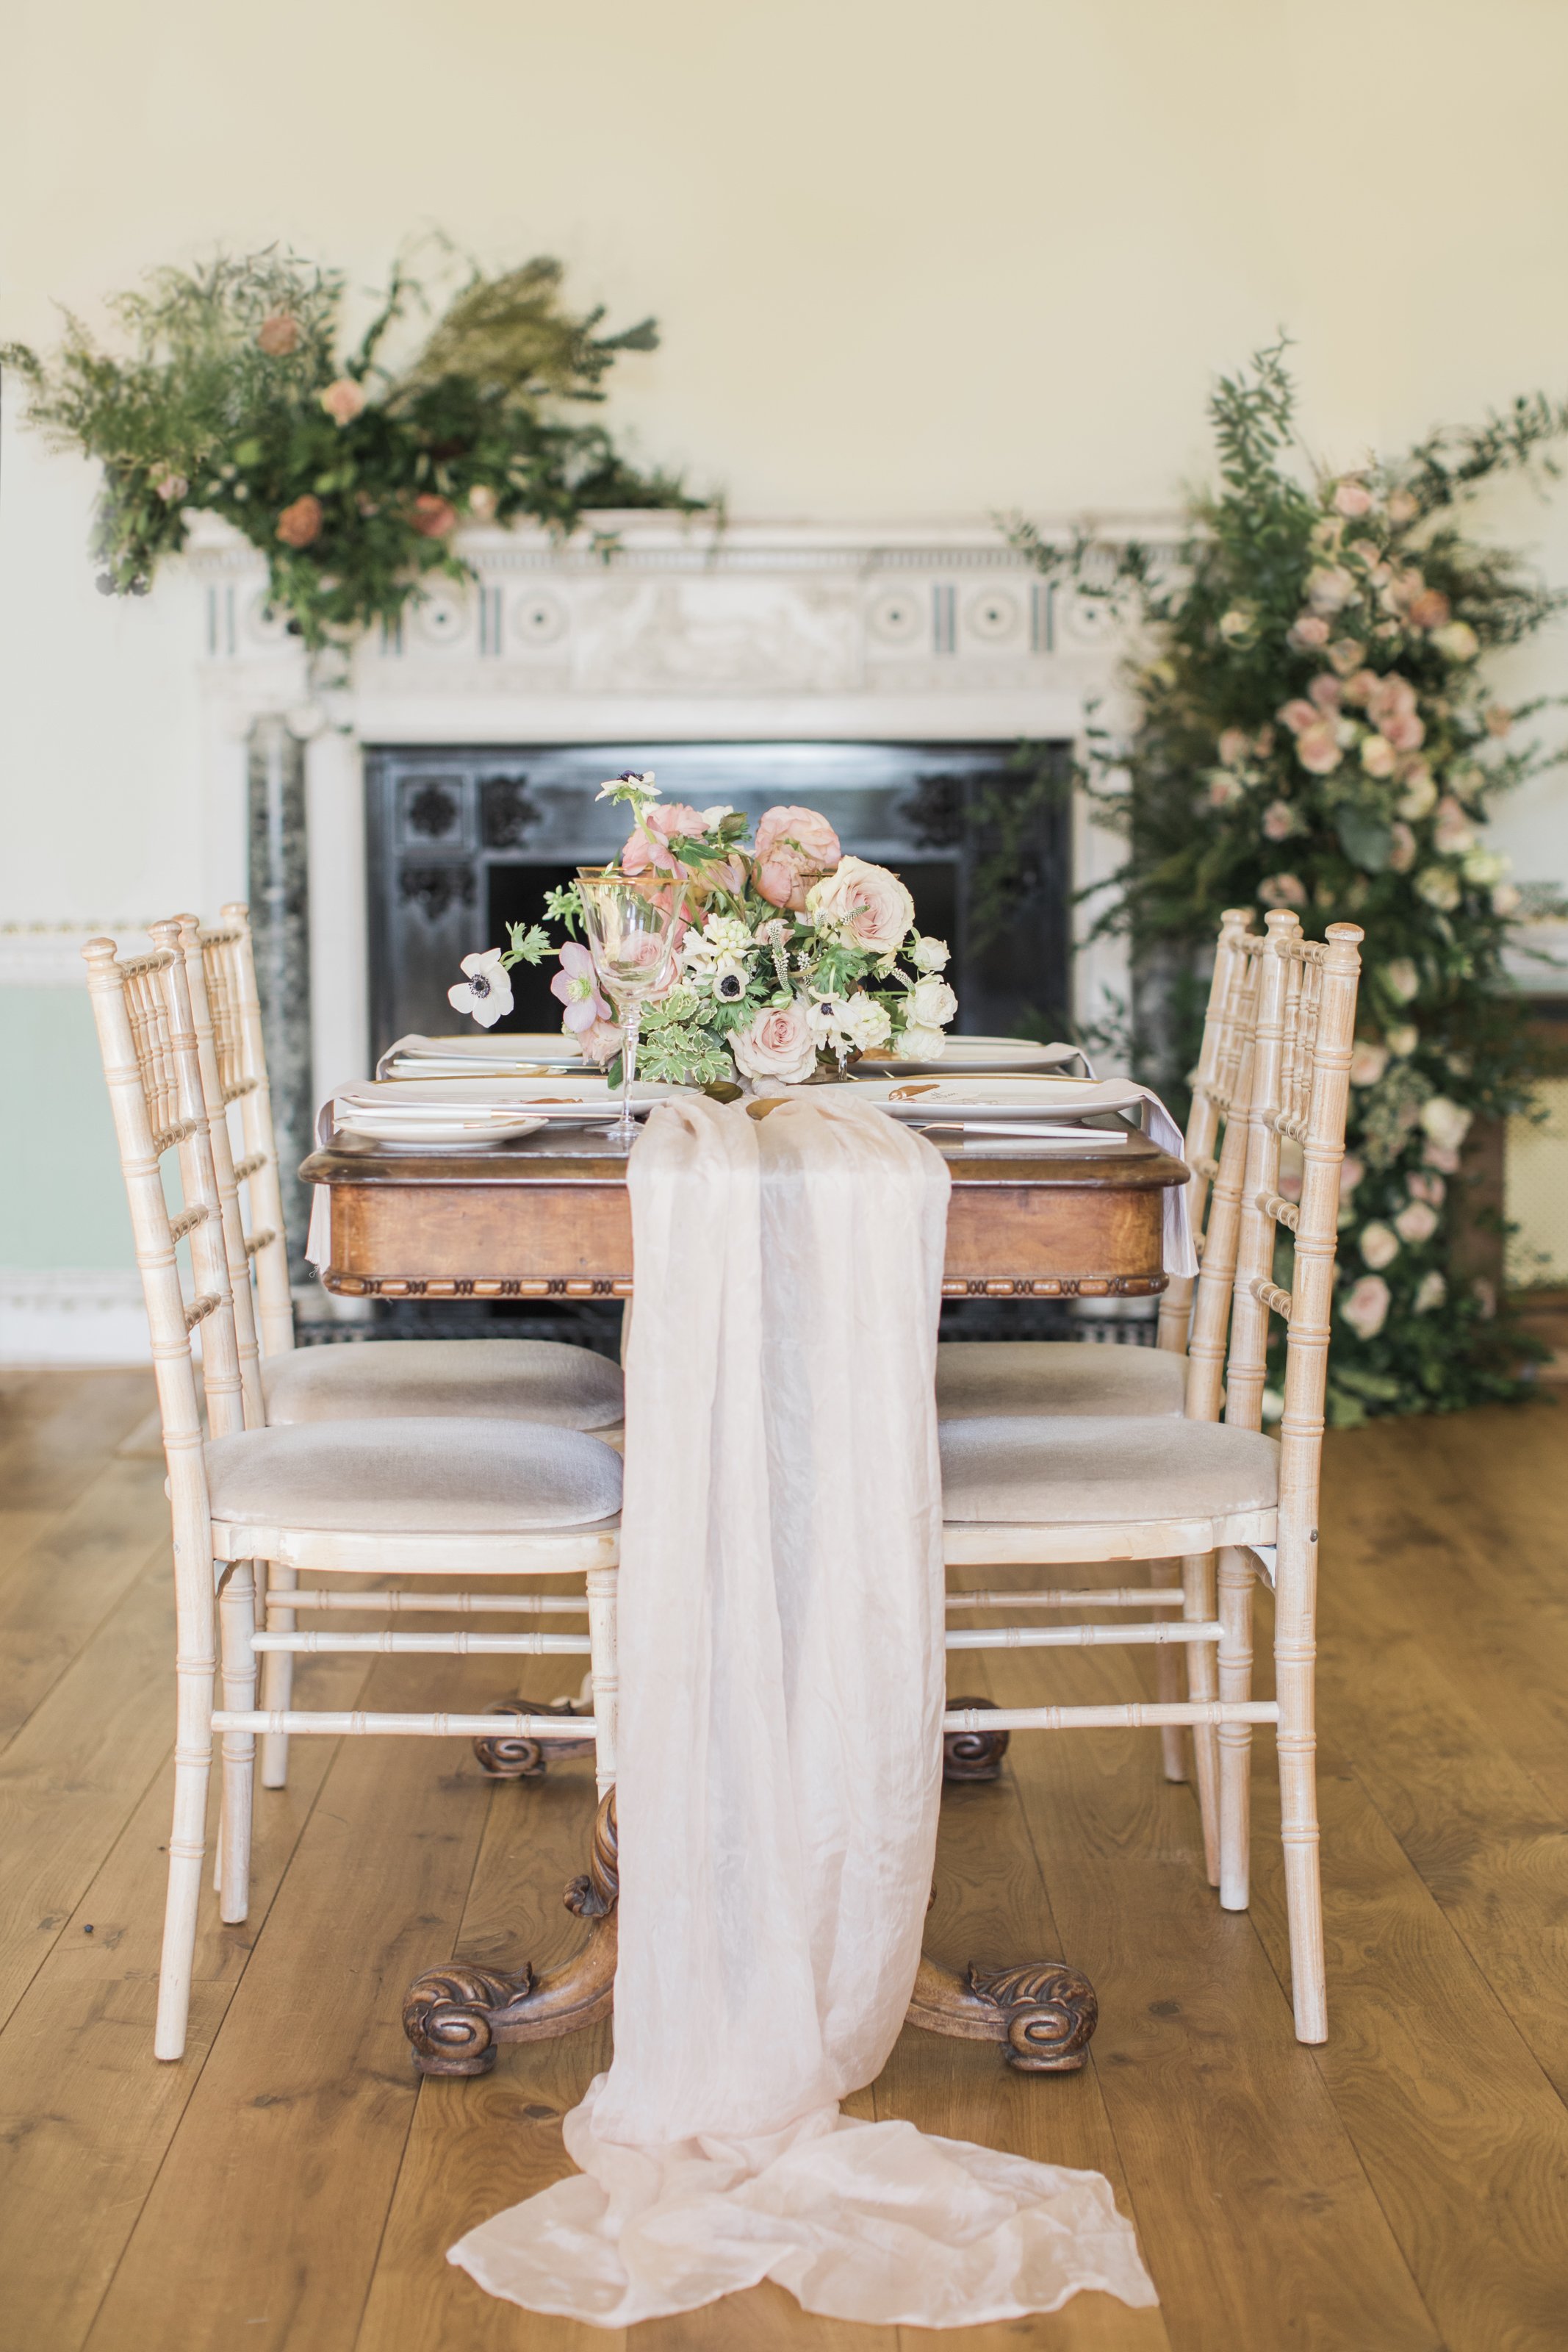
[631, 924]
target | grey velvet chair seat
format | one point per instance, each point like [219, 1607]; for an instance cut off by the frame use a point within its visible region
[978, 1379]
[1026, 1470]
[477, 1379]
[431, 1476]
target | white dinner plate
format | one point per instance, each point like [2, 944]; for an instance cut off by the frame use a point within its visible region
[980, 1098]
[415, 1138]
[963, 1056]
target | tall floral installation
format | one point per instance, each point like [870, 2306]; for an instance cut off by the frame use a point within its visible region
[792, 960]
[349, 472]
[1313, 730]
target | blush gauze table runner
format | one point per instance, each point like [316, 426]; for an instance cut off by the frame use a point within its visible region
[780, 1769]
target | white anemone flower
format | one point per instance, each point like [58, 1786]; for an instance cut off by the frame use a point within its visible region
[487, 992]
[729, 980]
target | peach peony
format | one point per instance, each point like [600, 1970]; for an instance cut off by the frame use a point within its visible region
[343, 400]
[1430, 609]
[432, 517]
[795, 847]
[300, 523]
[866, 903]
[278, 335]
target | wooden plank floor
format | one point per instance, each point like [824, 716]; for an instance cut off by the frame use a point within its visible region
[290, 2187]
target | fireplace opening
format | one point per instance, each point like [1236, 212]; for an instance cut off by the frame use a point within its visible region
[462, 842]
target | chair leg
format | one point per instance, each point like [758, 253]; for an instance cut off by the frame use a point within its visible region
[1202, 1683]
[1295, 1660]
[187, 1838]
[237, 1612]
[605, 1670]
[278, 1674]
[1167, 1683]
[1235, 1739]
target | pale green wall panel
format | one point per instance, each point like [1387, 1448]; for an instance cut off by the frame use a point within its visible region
[62, 1202]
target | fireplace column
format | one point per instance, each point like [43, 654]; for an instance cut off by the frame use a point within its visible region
[280, 929]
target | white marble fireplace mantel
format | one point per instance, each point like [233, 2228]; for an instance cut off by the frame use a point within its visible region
[681, 633]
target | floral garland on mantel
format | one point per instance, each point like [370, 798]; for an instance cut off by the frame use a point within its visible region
[1313, 731]
[350, 476]
[790, 957]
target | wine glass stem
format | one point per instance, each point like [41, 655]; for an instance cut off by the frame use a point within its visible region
[627, 1127]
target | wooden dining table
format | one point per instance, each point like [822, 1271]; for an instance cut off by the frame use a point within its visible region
[549, 1217]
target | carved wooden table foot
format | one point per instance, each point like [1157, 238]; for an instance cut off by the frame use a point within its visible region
[457, 2016]
[973, 1755]
[1044, 2011]
[512, 1755]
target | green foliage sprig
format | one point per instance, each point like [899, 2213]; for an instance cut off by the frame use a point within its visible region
[349, 475]
[1313, 731]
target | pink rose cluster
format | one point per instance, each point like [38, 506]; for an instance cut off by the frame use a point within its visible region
[795, 847]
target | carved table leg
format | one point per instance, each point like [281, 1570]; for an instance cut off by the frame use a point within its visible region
[973, 1755]
[455, 2016]
[1044, 2011]
[513, 1756]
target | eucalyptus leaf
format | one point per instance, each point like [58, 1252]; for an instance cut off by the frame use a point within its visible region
[1366, 840]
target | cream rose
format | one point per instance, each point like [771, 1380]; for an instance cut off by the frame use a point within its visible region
[779, 1044]
[1416, 1221]
[1364, 1305]
[1445, 1123]
[1379, 1245]
[931, 1004]
[923, 1044]
[866, 903]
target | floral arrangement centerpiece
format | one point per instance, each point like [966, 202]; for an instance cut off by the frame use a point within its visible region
[790, 960]
[1314, 729]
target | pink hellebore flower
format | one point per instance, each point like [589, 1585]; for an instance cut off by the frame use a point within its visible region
[650, 845]
[578, 989]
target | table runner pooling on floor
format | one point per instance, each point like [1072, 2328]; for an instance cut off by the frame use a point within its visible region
[781, 1659]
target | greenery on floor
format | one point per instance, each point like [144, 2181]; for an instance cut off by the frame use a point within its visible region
[1313, 730]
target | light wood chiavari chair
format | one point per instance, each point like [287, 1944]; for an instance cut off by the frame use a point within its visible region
[521, 1380]
[1085, 1378]
[417, 1498]
[1051, 1490]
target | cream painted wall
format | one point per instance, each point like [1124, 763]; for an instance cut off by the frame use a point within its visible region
[911, 261]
